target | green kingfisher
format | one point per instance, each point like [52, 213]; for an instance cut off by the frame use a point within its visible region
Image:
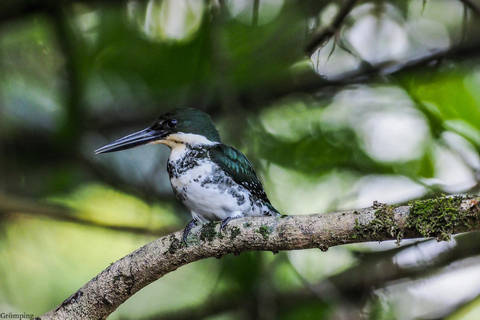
[214, 181]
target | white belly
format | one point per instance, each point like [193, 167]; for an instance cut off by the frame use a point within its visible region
[211, 195]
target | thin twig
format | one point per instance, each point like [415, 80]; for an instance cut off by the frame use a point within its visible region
[323, 34]
[255, 12]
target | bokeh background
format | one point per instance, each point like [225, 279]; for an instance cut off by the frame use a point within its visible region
[336, 103]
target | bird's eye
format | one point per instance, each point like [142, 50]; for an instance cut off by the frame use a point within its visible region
[172, 123]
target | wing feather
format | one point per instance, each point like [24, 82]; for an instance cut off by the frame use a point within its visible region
[237, 166]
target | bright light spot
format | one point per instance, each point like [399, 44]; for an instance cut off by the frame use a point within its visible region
[328, 14]
[384, 118]
[395, 137]
[294, 193]
[422, 253]
[448, 13]
[463, 148]
[331, 61]
[458, 285]
[242, 10]
[333, 65]
[87, 21]
[429, 33]
[385, 189]
[353, 106]
[433, 297]
[314, 265]
[101, 204]
[162, 20]
[463, 128]
[292, 121]
[450, 169]
[378, 38]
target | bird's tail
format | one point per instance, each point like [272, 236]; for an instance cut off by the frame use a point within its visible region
[273, 212]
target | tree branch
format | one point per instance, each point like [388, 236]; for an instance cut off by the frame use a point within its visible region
[474, 5]
[439, 218]
[323, 34]
[350, 291]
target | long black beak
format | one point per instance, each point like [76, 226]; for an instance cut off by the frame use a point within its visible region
[133, 140]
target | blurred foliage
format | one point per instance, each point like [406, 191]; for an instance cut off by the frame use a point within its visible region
[386, 108]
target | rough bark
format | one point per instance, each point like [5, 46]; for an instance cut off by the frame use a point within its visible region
[439, 218]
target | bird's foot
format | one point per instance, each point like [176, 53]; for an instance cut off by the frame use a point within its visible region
[227, 220]
[224, 223]
[189, 227]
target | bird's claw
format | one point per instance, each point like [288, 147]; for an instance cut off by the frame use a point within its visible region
[189, 227]
[193, 223]
[224, 223]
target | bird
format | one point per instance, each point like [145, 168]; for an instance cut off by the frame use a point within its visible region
[216, 182]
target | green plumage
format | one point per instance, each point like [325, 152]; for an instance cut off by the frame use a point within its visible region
[189, 121]
[236, 165]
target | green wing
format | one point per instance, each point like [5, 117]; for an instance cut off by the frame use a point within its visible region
[237, 166]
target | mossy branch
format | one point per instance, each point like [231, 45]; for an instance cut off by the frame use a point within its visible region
[438, 218]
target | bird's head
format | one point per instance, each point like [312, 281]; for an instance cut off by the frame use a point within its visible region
[182, 126]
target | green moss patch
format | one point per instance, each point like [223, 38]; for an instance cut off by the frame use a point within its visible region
[208, 232]
[264, 231]
[175, 244]
[436, 217]
[234, 232]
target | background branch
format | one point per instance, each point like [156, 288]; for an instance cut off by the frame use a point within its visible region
[474, 5]
[322, 34]
[113, 286]
[14, 207]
